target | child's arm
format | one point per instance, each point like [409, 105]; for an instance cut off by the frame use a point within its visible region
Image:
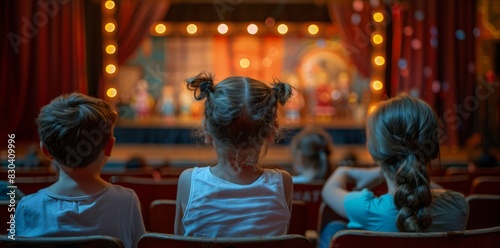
[183, 189]
[334, 190]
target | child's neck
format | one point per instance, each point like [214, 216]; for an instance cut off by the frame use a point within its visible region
[79, 181]
[238, 174]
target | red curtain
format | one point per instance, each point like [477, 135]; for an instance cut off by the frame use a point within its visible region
[43, 56]
[433, 55]
[355, 29]
[134, 22]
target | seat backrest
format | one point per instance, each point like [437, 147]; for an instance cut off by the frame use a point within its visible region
[489, 237]
[486, 185]
[298, 220]
[101, 241]
[148, 190]
[484, 211]
[454, 171]
[311, 194]
[30, 185]
[326, 214]
[162, 216]
[157, 240]
[458, 183]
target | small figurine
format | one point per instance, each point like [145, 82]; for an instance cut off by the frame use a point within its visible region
[142, 101]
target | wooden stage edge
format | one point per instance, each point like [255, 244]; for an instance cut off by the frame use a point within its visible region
[194, 155]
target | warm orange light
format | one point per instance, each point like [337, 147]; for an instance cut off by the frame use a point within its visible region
[109, 4]
[252, 29]
[372, 108]
[379, 60]
[110, 27]
[313, 29]
[111, 92]
[160, 28]
[377, 85]
[378, 17]
[222, 28]
[110, 69]
[282, 28]
[192, 28]
[110, 49]
[377, 39]
[266, 62]
[244, 63]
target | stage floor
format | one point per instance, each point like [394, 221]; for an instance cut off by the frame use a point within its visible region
[181, 155]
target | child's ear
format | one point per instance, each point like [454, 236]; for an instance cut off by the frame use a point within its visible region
[45, 151]
[109, 146]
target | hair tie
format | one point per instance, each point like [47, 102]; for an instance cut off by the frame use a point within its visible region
[206, 86]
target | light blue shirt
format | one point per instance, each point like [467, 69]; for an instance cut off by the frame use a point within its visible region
[449, 211]
[113, 211]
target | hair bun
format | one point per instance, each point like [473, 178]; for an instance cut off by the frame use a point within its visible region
[282, 91]
[202, 84]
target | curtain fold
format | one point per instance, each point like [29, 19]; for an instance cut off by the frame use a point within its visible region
[43, 56]
[134, 22]
[433, 57]
[355, 30]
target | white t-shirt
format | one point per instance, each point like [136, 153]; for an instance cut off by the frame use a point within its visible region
[218, 208]
[113, 211]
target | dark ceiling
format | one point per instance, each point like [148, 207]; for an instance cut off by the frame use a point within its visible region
[223, 12]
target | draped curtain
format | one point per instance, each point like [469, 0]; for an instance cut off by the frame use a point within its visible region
[134, 22]
[43, 56]
[355, 30]
[432, 53]
[44, 53]
[433, 56]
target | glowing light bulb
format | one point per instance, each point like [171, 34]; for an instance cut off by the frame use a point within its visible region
[109, 5]
[313, 29]
[379, 60]
[111, 92]
[252, 29]
[377, 85]
[110, 49]
[110, 69]
[378, 17]
[110, 27]
[160, 28]
[222, 28]
[192, 28]
[282, 28]
[244, 63]
[377, 39]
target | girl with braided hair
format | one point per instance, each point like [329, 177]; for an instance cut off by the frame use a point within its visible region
[236, 197]
[402, 138]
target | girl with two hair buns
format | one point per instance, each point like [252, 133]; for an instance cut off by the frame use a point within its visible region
[236, 197]
[402, 138]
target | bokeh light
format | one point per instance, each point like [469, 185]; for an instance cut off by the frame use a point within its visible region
[110, 69]
[282, 28]
[244, 63]
[313, 29]
[192, 28]
[252, 29]
[160, 28]
[110, 49]
[111, 92]
[222, 28]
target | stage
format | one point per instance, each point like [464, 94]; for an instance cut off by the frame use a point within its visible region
[180, 131]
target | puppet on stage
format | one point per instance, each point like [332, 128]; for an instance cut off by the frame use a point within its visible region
[142, 101]
[168, 102]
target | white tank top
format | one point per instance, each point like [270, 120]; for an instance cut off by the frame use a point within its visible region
[218, 208]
